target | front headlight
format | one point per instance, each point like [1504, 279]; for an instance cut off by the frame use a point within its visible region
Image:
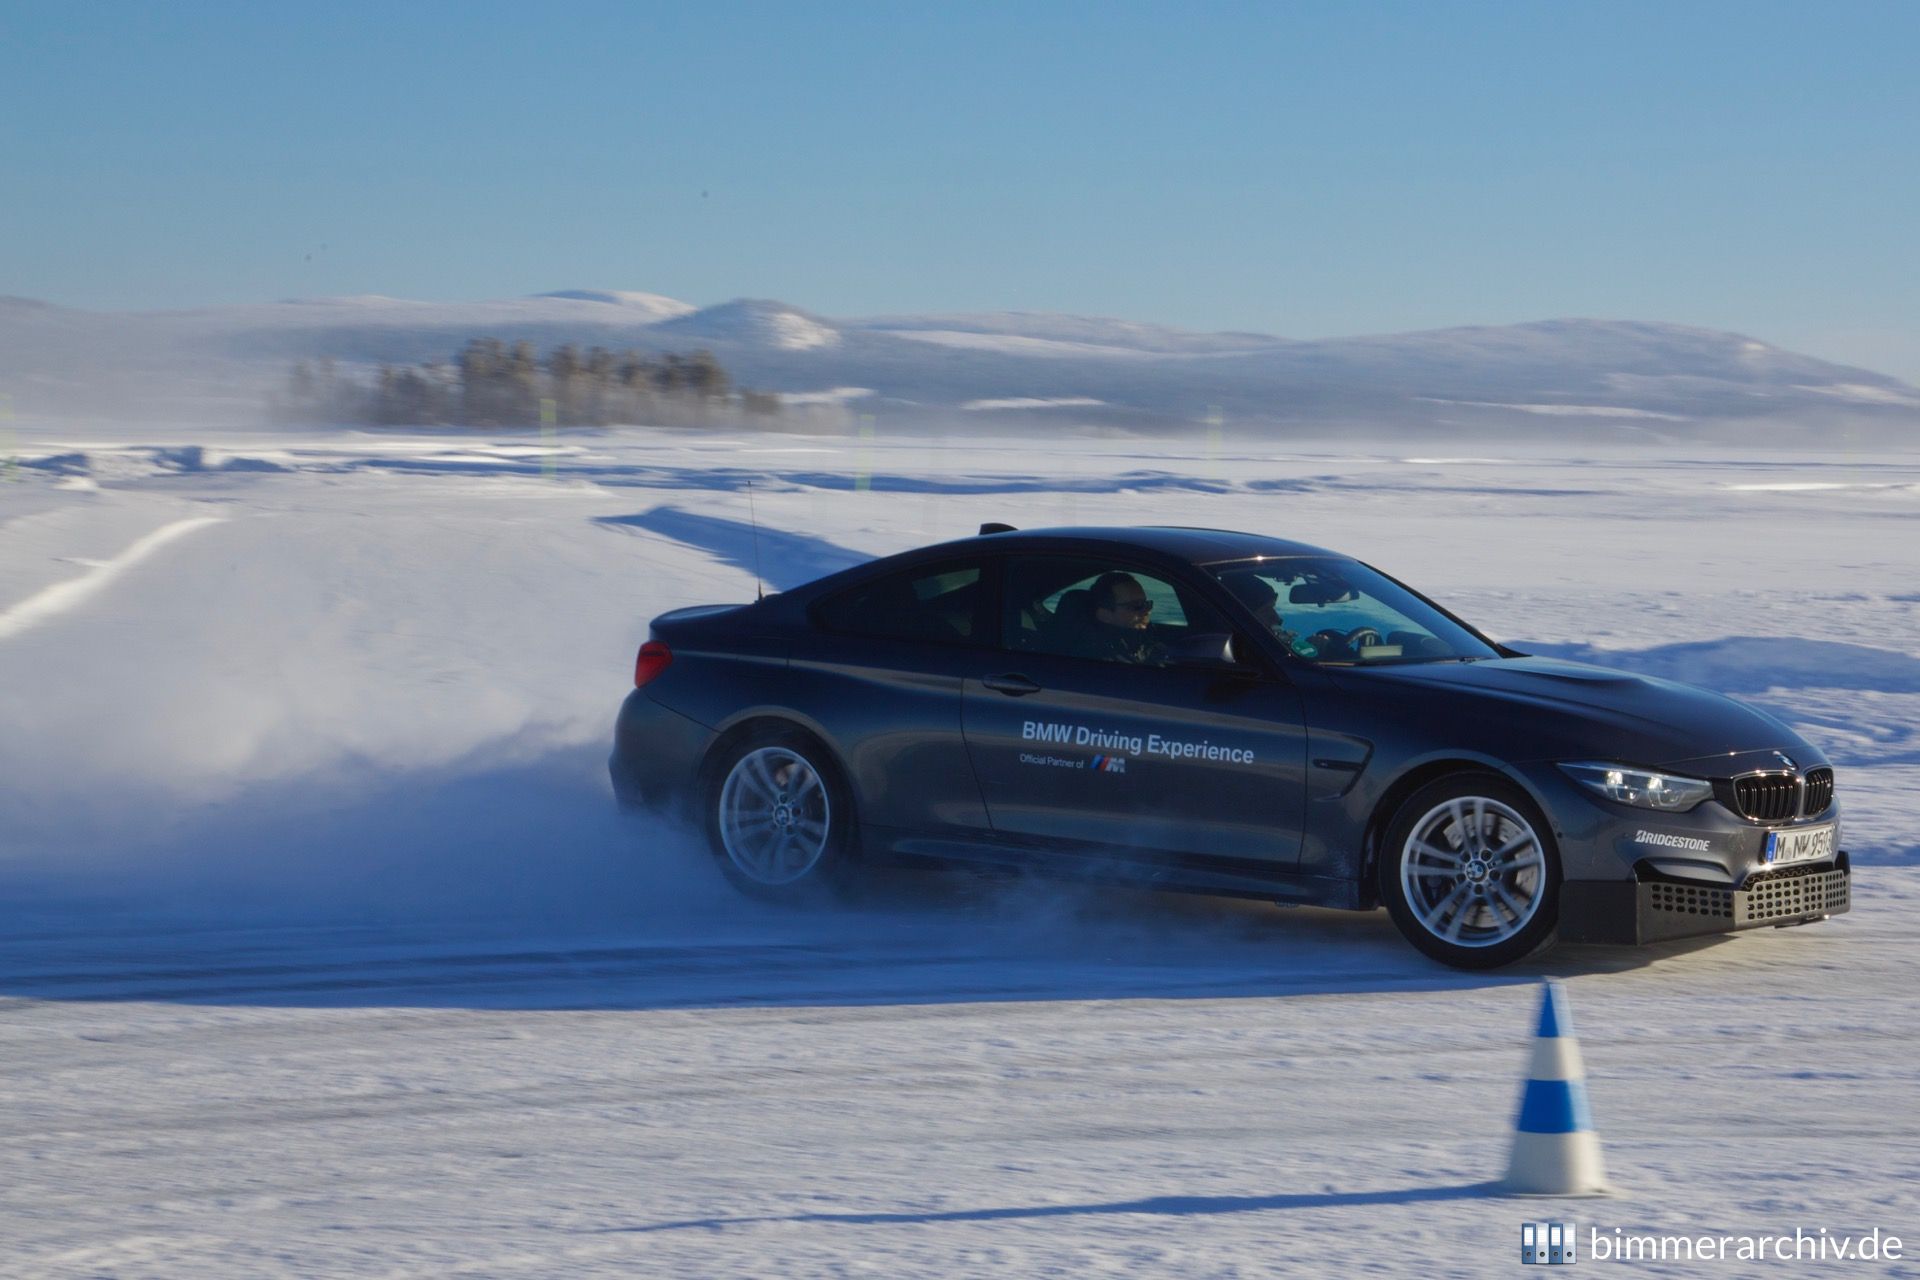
[1641, 788]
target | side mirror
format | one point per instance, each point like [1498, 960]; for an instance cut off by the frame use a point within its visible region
[1208, 649]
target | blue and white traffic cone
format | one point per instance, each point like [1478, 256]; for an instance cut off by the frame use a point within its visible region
[1555, 1151]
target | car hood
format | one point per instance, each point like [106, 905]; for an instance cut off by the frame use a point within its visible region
[1610, 714]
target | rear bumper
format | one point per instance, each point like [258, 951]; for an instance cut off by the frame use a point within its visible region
[656, 754]
[1632, 912]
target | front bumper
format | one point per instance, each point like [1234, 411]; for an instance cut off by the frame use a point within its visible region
[1657, 908]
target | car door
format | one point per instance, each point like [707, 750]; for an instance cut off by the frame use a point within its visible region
[1156, 756]
[880, 670]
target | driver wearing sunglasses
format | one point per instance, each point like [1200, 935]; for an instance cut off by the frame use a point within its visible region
[1122, 611]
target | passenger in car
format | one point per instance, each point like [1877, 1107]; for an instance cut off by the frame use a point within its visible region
[1262, 601]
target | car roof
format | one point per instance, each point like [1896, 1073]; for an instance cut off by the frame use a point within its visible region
[1193, 544]
[1190, 545]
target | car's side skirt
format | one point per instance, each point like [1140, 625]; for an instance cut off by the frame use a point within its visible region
[1151, 869]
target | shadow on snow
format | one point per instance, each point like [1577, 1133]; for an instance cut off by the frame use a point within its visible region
[1162, 1206]
[784, 560]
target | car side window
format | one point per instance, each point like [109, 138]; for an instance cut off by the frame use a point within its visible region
[1331, 611]
[1167, 609]
[934, 603]
[1089, 607]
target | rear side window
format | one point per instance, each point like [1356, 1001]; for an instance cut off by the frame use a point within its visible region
[939, 604]
[1086, 607]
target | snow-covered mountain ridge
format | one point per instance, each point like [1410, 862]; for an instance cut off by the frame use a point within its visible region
[1606, 375]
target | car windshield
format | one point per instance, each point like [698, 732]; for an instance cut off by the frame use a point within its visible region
[1339, 612]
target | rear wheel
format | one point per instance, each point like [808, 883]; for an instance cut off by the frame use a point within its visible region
[1470, 873]
[778, 818]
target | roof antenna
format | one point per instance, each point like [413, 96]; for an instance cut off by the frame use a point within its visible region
[759, 591]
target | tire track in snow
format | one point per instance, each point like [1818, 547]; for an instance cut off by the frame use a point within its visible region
[61, 597]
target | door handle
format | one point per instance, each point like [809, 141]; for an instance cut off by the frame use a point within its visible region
[1011, 685]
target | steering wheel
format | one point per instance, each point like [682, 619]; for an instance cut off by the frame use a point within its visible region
[1328, 642]
[1343, 644]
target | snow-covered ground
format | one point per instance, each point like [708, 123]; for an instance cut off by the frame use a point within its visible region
[325, 954]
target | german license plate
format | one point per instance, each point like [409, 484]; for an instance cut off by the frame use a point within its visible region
[1810, 844]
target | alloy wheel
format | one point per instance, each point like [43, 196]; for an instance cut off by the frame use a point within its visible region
[1473, 871]
[775, 816]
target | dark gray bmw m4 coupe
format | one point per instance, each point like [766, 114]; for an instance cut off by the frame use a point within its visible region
[1222, 713]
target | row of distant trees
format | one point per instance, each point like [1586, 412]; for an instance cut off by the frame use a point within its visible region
[491, 384]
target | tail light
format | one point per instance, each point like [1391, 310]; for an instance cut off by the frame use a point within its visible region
[654, 658]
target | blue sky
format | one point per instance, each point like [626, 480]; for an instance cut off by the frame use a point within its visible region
[1305, 170]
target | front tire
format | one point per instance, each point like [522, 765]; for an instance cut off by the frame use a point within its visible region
[1470, 873]
[778, 817]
